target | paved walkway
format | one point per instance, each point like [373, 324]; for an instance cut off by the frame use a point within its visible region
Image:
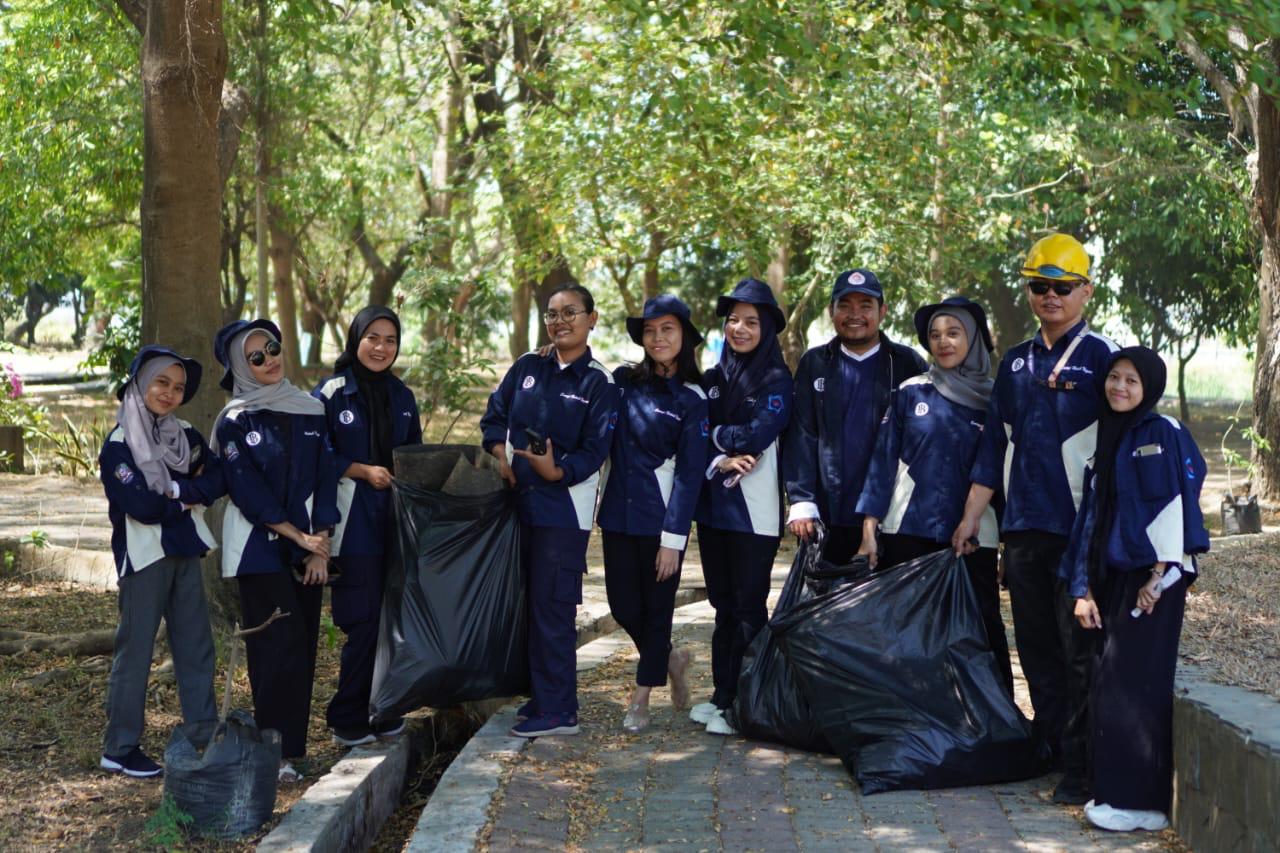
[675, 787]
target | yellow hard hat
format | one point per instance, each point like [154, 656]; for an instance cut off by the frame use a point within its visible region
[1057, 256]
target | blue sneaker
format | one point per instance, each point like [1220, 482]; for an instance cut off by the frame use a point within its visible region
[547, 724]
[136, 764]
[525, 711]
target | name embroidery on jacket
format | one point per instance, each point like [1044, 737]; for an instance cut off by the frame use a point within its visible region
[665, 413]
[574, 397]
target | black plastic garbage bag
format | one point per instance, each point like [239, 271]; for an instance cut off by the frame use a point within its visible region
[770, 705]
[454, 626]
[903, 684]
[224, 775]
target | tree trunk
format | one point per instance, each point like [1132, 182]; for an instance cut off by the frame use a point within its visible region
[1265, 114]
[1011, 318]
[520, 305]
[283, 247]
[184, 61]
[657, 245]
[1184, 358]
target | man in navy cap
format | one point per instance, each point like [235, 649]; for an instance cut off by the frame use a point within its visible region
[842, 389]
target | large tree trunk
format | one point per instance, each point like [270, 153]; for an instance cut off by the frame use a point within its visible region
[283, 248]
[1265, 113]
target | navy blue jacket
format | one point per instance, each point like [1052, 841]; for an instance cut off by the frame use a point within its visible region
[576, 407]
[919, 474]
[146, 526]
[658, 460]
[1159, 473]
[812, 450]
[754, 503]
[1038, 439]
[365, 510]
[278, 468]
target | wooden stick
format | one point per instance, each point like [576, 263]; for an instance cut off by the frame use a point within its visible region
[236, 634]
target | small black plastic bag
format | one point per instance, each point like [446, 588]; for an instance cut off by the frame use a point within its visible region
[901, 681]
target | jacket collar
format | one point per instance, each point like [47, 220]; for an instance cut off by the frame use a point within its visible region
[1037, 340]
[578, 366]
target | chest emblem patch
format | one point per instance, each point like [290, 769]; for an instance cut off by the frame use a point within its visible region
[714, 393]
[820, 384]
[124, 473]
[231, 451]
[774, 402]
[253, 439]
[528, 383]
[347, 416]
[922, 409]
[1017, 364]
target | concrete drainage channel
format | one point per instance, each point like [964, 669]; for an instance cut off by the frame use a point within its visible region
[348, 806]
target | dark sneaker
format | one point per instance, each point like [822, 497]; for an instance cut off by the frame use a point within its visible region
[547, 724]
[133, 763]
[353, 737]
[1072, 791]
[525, 711]
[389, 729]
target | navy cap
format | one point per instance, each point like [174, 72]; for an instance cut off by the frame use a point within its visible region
[856, 281]
[661, 306]
[193, 368]
[924, 315]
[223, 339]
[753, 292]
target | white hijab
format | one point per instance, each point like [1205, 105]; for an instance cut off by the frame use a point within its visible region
[250, 395]
[157, 443]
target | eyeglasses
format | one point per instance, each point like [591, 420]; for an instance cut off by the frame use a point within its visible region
[258, 356]
[1062, 288]
[568, 315]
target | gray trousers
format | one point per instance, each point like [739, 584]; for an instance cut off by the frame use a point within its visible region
[171, 588]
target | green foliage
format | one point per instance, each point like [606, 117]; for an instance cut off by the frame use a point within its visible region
[69, 448]
[36, 537]
[166, 828]
[120, 341]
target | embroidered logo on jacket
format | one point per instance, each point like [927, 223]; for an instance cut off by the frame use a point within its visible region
[714, 393]
[820, 384]
[124, 473]
[528, 382]
[347, 416]
[922, 409]
[1017, 364]
[1191, 469]
[774, 403]
[231, 451]
[705, 427]
[253, 439]
[613, 420]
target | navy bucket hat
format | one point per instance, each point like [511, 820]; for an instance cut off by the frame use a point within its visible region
[190, 365]
[857, 281]
[924, 315]
[226, 334]
[661, 306]
[753, 292]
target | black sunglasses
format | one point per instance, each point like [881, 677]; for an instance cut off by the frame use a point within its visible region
[258, 356]
[1062, 288]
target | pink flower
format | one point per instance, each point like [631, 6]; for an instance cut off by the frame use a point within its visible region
[15, 381]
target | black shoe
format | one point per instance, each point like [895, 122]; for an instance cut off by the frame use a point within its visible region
[1072, 791]
[133, 763]
[353, 737]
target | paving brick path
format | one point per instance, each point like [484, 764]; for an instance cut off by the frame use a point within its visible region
[675, 787]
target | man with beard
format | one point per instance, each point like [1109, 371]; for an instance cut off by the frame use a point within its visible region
[842, 390]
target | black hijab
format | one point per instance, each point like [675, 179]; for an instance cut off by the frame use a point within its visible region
[373, 386]
[746, 373]
[1112, 427]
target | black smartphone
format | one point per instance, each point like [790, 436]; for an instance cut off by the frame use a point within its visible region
[537, 444]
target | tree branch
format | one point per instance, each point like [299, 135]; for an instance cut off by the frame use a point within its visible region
[1225, 88]
[136, 12]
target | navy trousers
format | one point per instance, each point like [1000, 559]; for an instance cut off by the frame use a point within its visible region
[736, 568]
[557, 560]
[357, 608]
[642, 605]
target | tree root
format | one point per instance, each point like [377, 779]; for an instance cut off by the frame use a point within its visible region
[82, 644]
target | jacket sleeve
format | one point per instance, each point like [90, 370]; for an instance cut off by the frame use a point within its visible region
[691, 462]
[247, 488]
[597, 434]
[208, 485]
[324, 502]
[127, 490]
[331, 406]
[988, 466]
[415, 424]
[494, 422]
[769, 417]
[882, 473]
[800, 450]
[1195, 538]
[1074, 566]
[1178, 527]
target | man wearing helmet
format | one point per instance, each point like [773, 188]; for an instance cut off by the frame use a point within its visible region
[1041, 431]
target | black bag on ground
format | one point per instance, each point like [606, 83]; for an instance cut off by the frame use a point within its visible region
[770, 705]
[903, 684]
[223, 774]
[454, 626]
[1241, 514]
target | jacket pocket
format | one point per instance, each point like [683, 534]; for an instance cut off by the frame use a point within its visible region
[1151, 472]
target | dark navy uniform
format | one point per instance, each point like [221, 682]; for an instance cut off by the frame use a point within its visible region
[656, 470]
[576, 407]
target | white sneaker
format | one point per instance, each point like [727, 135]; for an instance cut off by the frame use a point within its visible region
[703, 712]
[1104, 816]
[718, 725]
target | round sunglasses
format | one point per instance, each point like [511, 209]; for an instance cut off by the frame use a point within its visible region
[258, 356]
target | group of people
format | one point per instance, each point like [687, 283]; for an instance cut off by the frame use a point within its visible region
[307, 476]
[1061, 456]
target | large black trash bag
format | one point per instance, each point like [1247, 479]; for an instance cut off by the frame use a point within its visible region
[903, 684]
[770, 705]
[454, 626]
[223, 774]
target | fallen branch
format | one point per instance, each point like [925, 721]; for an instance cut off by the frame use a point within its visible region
[93, 666]
[82, 644]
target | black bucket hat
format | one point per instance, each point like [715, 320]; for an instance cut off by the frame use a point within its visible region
[924, 315]
[190, 365]
[753, 292]
[223, 340]
[661, 306]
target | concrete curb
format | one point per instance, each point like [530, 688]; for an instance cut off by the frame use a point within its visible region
[94, 569]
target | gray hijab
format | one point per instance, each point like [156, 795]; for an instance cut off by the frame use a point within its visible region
[250, 395]
[968, 383]
[157, 443]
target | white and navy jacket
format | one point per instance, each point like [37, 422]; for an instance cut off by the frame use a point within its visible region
[919, 474]
[1158, 475]
[1038, 439]
[278, 468]
[657, 464]
[146, 526]
[754, 503]
[576, 406]
[365, 510]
